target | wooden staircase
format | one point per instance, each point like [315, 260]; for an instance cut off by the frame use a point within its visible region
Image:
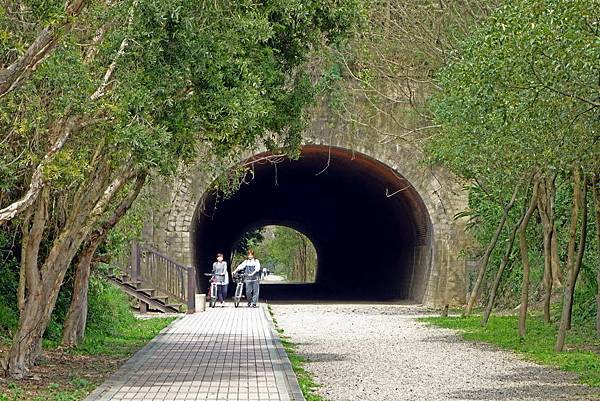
[156, 281]
[148, 298]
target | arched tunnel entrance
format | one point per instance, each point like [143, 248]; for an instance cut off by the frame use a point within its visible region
[370, 227]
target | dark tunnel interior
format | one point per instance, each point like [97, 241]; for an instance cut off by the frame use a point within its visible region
[369, 226]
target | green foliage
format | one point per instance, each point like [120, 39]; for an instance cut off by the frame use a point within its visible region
[125, 340]
[516, 96]
[221, 76]
[108, 309]
[121, 343]
[288, 253]
[9, 282]
[248, 241]
[539, 344]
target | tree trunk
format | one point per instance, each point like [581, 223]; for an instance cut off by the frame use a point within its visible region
[547, 277]
[596, 194]
[32, 237]
[573, 262]
[525, 260]
[556, 268]
[26, 229]
[44, 283]
[486, 256]
[503, 265]
[76, 320]
[546, 210]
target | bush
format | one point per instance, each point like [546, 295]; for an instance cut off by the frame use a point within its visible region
[9, 282]
[108, 308]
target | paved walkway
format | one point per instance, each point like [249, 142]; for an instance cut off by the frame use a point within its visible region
[221, 354]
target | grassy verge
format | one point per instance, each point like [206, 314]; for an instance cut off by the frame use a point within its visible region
[70, 375]
[130, 339]
[582, 350]
[305, 380]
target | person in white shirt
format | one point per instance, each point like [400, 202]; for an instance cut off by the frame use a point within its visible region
[251, 267]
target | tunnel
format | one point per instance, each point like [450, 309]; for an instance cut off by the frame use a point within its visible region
[369, 225]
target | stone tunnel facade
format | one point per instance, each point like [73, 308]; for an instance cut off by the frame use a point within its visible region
[382, 223]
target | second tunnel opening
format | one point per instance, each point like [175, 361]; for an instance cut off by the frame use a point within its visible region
[368, 224]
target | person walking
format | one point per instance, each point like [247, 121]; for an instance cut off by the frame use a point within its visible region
[220, 270]
[251, 267]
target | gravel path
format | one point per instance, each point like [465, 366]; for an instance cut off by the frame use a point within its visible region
[380, 352]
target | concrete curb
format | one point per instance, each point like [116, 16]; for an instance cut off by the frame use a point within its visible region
[290, 376]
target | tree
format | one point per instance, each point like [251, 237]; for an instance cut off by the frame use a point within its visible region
[520, 99]
[152, 83]
[289, 253]
[19, 68]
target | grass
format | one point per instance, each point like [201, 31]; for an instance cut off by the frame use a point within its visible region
[305, 380]
[580, 355]
[70, 375]
[130, 338]
[52, 392]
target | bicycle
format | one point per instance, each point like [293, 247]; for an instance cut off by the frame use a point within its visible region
[212, 290]
[239, 279]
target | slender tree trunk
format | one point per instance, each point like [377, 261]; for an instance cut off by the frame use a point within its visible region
[76, 320]
[75, 323]
[546, 210]
[574, 262]
[486, 256]
[22, 276]
[556, 268]
[523, 246]
[505, 262]
[547, 278]
[596, 194]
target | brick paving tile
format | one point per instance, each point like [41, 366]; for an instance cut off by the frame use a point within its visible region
[218, 355]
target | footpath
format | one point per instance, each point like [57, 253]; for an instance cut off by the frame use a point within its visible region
[222, 354]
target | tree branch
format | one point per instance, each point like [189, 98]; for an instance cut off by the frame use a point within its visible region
[44, 44]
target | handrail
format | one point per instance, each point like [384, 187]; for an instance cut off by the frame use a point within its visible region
[163, 273]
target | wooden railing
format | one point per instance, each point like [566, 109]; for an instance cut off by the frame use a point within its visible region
[164, 274]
